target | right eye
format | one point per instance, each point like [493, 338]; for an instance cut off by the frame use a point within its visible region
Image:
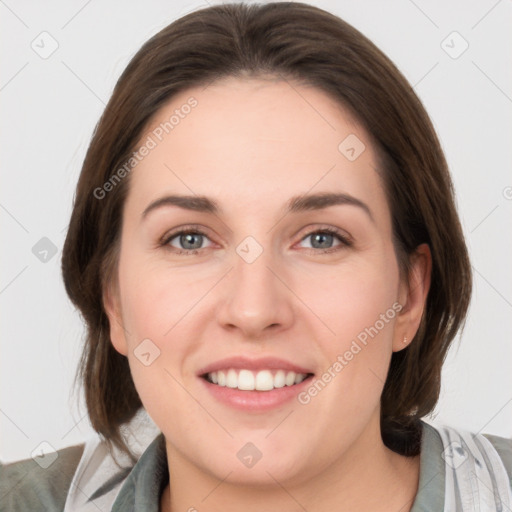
[189, 241]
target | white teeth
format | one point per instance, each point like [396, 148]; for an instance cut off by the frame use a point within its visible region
[245, 380]
[231, 379]
[264, 380]
[279, 379]
[290, 379]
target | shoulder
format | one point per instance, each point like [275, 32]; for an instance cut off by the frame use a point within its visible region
[477, 468]
[503, 445]
[38, 484]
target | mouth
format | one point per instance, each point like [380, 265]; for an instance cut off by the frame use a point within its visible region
[254, 385]
[248, 380]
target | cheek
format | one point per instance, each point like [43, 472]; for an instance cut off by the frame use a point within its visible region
[359, 306]
[354, 297]
[159, 306]
[154, 299]
[155, 315]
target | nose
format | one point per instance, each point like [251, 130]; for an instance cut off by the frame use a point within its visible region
[255, 298]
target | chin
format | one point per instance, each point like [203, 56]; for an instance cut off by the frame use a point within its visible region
[258, 464]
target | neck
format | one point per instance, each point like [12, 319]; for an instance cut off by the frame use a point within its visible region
[368, 477]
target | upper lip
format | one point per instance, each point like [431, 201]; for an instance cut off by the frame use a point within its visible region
[256, 364]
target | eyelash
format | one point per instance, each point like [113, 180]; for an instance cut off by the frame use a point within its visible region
[345, 241]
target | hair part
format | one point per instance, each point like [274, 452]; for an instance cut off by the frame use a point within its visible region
[302, 43]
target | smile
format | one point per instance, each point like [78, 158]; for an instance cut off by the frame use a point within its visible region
[247, 380]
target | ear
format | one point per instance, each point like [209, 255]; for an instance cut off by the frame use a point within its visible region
[413, 297]
[112, 305]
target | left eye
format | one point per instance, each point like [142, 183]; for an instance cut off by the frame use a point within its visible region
[327, 236]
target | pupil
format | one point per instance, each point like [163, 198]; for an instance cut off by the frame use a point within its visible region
[324, 236]
[188, 237]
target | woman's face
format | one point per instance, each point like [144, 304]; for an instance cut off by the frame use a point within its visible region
[259, 294]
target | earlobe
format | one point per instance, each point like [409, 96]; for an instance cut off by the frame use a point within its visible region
[409, 319]
[112, 308]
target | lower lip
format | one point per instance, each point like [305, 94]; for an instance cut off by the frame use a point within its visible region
[255, 400]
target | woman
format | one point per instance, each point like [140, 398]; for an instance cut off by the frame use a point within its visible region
[278, 375]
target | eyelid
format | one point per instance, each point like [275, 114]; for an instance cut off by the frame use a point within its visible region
[322, 228]
[187, 228]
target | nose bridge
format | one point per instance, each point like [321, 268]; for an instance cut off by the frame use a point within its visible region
[256, 298]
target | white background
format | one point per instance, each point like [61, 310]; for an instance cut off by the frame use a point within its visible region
[50, 107]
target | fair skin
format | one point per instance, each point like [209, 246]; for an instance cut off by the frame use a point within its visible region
[251, 145]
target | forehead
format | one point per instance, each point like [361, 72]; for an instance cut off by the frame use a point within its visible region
[255, 142]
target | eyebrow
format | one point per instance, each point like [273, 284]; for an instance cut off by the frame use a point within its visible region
[294, 205]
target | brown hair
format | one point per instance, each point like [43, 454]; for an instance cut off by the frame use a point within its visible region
[299, 42]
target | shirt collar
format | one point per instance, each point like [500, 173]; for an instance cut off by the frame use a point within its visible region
[144, 485]
[430, 495]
